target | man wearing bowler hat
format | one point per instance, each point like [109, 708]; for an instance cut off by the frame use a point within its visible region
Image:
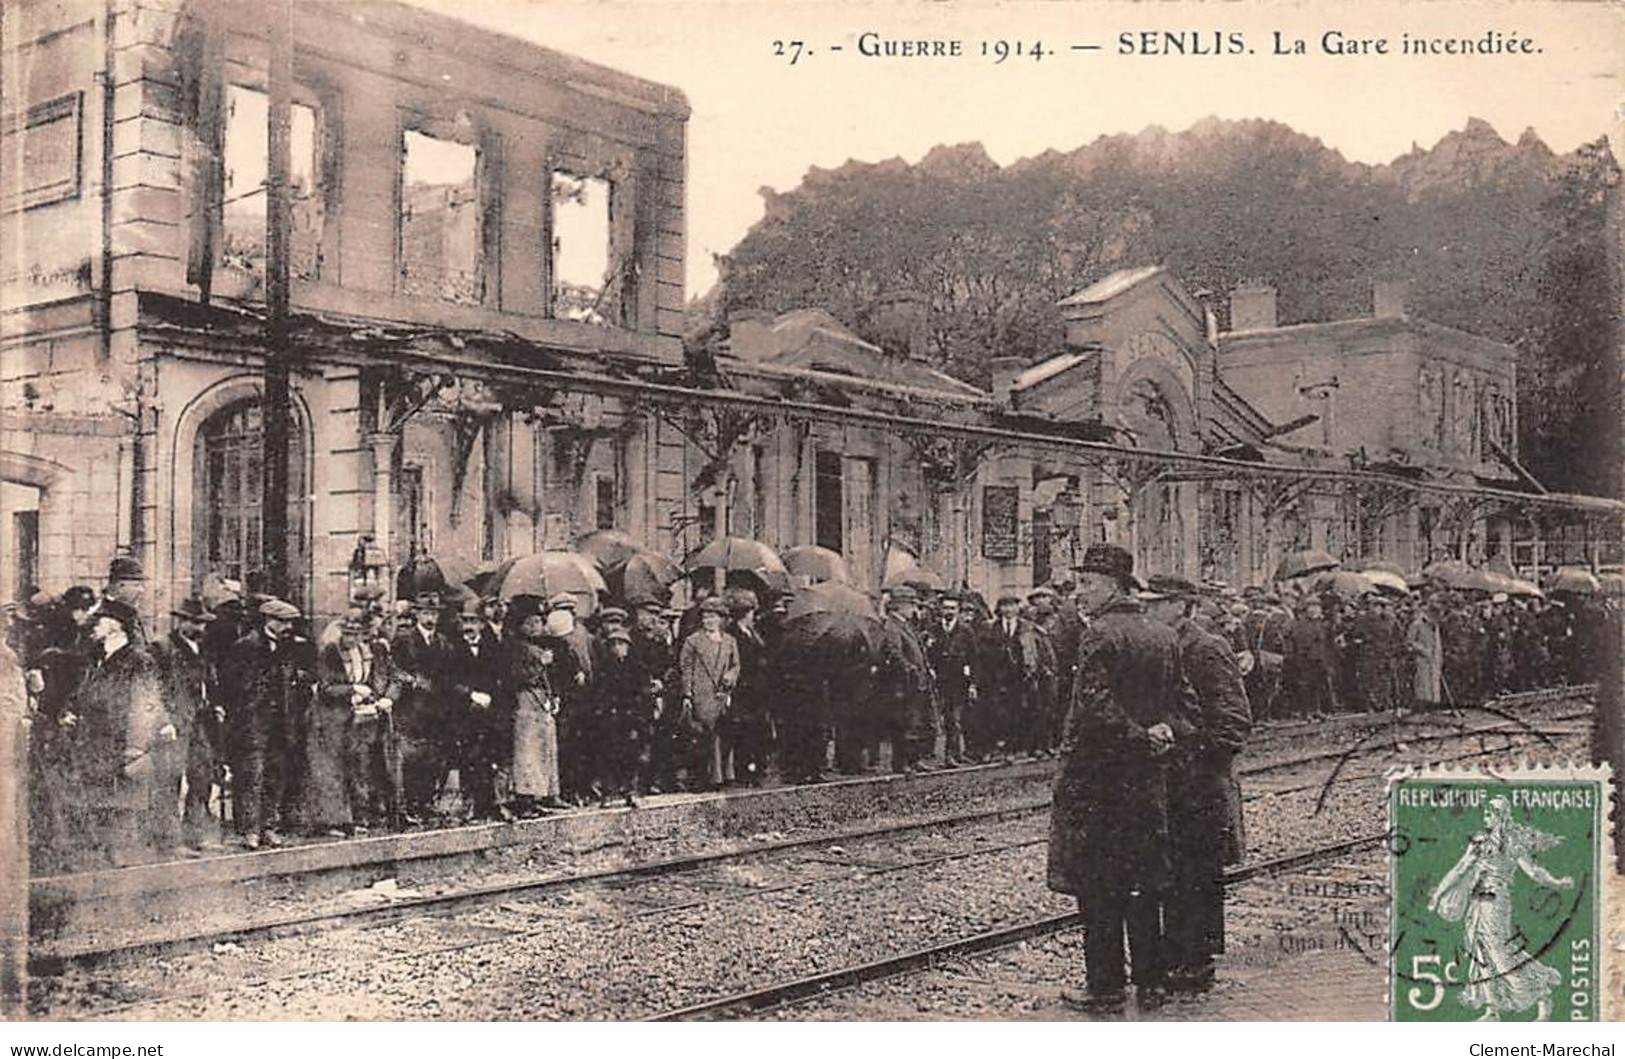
[1204, 800]
[422, 661]
[1109, 818]
[123, 728]
[907, 698]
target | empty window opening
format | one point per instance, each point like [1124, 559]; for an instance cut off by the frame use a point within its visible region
[242, 242]
[828, 511]
[581, 271]
[440, 219]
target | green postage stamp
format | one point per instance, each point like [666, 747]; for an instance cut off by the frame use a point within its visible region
[1495, 896]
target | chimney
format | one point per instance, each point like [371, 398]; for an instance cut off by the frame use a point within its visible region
[1252, 307]
[1210, 319]
[1388, 298]
[1005, 370]
[897, 321]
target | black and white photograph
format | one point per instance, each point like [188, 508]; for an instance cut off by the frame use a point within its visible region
[857, 512]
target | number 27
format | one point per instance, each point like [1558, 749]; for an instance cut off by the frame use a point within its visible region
[790, 48]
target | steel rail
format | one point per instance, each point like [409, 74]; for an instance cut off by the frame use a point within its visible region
[767, 998]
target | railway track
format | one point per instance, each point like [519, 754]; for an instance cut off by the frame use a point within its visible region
[782, 994]
[55, 963]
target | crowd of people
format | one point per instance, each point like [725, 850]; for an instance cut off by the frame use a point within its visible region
[245, 725]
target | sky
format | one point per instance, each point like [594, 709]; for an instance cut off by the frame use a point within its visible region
[760, 121]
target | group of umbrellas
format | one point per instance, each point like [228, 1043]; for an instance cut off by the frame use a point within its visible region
[829, 618]
[1319, 571]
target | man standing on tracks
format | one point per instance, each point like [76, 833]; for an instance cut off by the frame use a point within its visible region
[1109, 819]
[1204, 799]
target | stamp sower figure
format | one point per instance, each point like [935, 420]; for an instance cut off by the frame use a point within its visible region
[1109, 818]
[1204, 800]
[1501, 975]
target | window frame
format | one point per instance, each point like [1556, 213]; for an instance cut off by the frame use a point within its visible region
[487, 196]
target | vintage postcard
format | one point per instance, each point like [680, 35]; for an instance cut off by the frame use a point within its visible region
[855, 511]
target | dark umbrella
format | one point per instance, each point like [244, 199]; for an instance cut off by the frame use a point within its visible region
[831, 624]
[745, 563]
[608, 548]
[816, 565]
[644, 576]
[420, 575]
[1309, 561]
[480, 580]
[548, 573]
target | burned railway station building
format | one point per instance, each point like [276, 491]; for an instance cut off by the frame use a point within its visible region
[487, 317]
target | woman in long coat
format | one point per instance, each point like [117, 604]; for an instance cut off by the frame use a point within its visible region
[541, 670]
[709, 667]
[354, 686]
[1426, 647]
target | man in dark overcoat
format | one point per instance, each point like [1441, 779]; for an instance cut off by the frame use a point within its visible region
[951, 649]
[1204, 799]
[478, 709]
[1017, 663]
[270, 678]
[122, 725]
[1309, 666]
[421, 658]
[1109, 816]
[190, 688]
[1057, 616]
[906, 699]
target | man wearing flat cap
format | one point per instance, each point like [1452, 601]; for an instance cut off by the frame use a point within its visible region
[1109, 818]
[1204, 800]
[271, 678]
[1017, 664]
[190, 688]
[121, 723]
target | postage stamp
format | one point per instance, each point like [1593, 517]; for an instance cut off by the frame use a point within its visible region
[1497, 894]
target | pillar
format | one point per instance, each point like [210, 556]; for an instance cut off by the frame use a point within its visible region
[383, 495]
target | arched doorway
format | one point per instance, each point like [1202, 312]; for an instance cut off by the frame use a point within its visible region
[227, 494]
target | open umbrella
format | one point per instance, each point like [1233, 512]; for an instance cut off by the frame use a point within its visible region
[1344, 583]
[1310, 561]
[809, 564]
[733, 553]
[746, 563]
[547, 573]
[456, 567]
[1611, 585]
[422, 574]
[1484, 580]
[644, 576]
[480, 580]
[830, 624]
[1366, 566]
[1575, 579]
[608, 548]
[920, 577]
[1451, 573]
[1518, 586]
[1386, 580]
